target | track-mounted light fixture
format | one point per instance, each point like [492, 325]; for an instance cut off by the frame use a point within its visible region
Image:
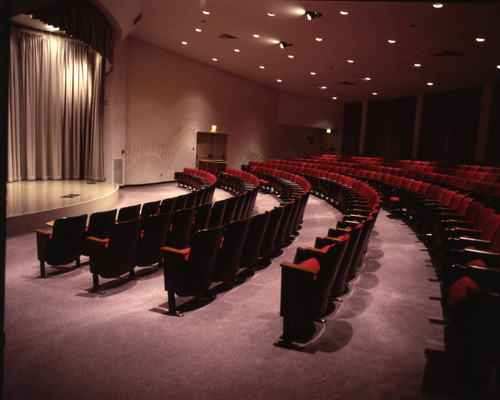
[310, 15]
[285, 44]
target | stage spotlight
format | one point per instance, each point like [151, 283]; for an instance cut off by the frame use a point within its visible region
[310, 15]
[285, 44]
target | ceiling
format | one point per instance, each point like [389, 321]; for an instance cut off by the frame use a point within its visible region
[441, 40]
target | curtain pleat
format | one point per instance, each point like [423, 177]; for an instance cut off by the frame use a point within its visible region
[55, 109]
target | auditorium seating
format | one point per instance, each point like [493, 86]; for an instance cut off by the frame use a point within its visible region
[228, 258]
[153, 233]
[250, 254]
[63, 245]
[116, 255]
[99, 226]
[188, 271]
[150, 208]
[128, 213]
[305, 290]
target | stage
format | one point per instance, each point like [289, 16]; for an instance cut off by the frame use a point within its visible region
[30, 204]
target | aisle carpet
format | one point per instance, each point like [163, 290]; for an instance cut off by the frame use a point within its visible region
[65, 342]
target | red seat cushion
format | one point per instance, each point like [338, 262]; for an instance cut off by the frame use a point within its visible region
[458, 291]
[478, 262]
[311, 263]
[394, 199]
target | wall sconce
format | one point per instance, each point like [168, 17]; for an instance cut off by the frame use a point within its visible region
[214, 129]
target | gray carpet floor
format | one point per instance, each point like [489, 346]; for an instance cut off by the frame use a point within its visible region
[65, 342]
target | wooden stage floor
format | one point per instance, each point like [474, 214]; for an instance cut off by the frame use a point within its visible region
[31, 203]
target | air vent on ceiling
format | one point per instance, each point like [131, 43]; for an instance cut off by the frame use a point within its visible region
[448, 53]
[346, 83]
[227, 36]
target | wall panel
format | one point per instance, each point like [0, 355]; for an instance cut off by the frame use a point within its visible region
[352, 128]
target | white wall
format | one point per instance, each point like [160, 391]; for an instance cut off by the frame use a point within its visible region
[169, 98]
[115, 109]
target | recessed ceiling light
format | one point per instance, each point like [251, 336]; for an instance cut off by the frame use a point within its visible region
[271, 14]
[206, 12]
[480, 39]
[498, 66]
[215, 59]
[437, 5]
[256, 36]
[367, 78]
[318, 39]
[279, 80]
[334, 98]
[291, 56]
[344, 12]
[391, 41]
[417, 65]
[313, 73]
[350, 61]
[184, 43]
[322, 87]
[236, 50]
[430, 83]
[374, 93]
[262, 67]
[310, 15]
[198, 30]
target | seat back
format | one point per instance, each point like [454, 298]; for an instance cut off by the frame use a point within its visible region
[129, 213]
[251, 249]
[167, 206]
[151, 239]
[306, 298]
[464, 206]
[455, 201]
[339, 285]
[191, 200]
[180, 228]
[65, 243]
[120, 254]
[180, 202]
[230, 209]
[217, 214]
[483, 218]
[473, 211]
[198, 271]
[99, 226]
[491, 226]
[201, 217]
[272, 229]
[150, 208]
[229, 254]
[281, 234]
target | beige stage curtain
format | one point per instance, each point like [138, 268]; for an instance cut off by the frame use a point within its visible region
[55, 108]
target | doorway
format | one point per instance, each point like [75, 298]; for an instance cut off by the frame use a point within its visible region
[211, 146]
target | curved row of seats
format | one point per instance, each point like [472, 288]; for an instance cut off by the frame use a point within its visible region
[220, 252]
[319, 275]
[458, 208]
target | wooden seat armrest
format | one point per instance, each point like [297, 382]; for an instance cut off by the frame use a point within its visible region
[298, 267]
[174, 250]
[333, 239]
[461, 232]
[469, 241]
[42, 232]
[96, 239]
